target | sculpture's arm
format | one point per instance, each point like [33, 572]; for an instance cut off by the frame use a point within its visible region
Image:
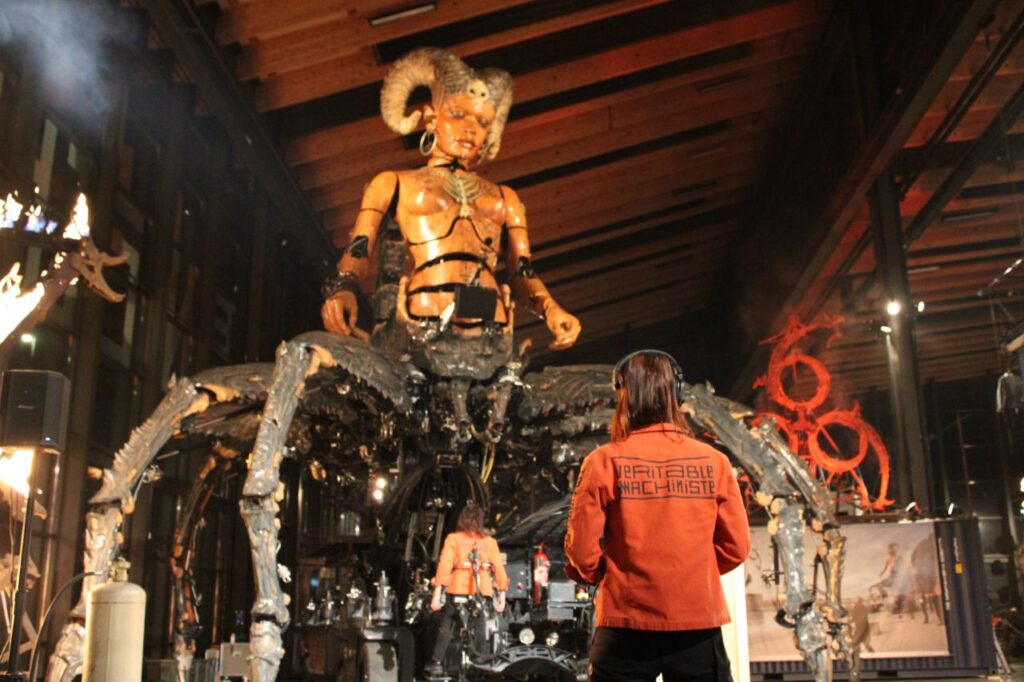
[526, 285]
[340, 307]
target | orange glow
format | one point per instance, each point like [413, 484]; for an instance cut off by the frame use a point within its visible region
[809, 432]
[15, 469]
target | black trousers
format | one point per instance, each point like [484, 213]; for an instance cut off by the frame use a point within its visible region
[448, 618]
[625, 655]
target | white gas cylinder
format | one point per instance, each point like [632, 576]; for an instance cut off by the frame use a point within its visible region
[114, 625]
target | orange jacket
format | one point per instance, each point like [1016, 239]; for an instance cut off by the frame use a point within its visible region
[655, 519]
[455, 571]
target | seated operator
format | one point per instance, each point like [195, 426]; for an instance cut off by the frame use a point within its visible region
[467, 546]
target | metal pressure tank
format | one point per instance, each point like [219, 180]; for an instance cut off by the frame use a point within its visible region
[114, 623]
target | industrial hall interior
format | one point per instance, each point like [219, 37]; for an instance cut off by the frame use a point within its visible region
[464, 340]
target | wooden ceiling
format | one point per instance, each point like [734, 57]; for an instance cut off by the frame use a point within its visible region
[958, 266]
[640, 134]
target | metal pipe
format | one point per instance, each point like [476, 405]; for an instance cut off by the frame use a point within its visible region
[20, 589]
[963, 462]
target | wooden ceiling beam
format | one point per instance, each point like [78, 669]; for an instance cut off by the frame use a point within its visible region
[633, 279]
[694, 244]
[633, 310]
[970, 128]
[587, 127]
[347, 139]
[561, 222]
[345, 23]
[540, 197]
[619, 61]
[579, 209]
[757, 108]
[543, 251]
[278, 56]
[640, 133]
[991, 173]
[627, 211]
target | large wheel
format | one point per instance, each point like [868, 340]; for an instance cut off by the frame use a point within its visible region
[378, 662]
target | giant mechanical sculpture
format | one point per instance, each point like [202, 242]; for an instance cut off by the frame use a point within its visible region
[434, 400]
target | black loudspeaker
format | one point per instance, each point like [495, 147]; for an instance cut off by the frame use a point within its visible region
[34, 409]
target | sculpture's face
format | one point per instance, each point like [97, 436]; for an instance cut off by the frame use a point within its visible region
[461, 124]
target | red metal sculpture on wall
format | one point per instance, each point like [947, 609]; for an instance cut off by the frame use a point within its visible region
[837, 443]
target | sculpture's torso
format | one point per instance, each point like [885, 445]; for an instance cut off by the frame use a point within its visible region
[447, 246]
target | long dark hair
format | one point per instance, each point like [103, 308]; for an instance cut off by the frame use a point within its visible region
[471, 519]
[647, 396]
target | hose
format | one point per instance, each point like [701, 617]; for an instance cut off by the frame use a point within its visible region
[46, 621]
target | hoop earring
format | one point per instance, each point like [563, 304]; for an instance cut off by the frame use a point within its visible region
[428, 141]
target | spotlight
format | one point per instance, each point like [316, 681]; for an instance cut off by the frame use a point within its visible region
[28, 338]
[920, 306]
[381, 483]
[893, 307]
[378, 495]
[552, 639]
[526, 636]
[886, 329]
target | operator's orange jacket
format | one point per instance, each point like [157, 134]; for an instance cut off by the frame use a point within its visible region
[455, 571]
[655, 519]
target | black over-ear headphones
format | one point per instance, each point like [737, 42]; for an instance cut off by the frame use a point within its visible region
[676, 370]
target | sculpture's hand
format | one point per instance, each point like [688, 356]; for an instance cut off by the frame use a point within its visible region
[339, 313]
[564, 327]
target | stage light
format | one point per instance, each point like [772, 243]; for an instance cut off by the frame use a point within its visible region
[552, 639]
[886, 329]
[1022, 486]
[920, 306]
[526, 636]
[381, 483]
[15, 468]
[893, 307]
[378, 495]
[28, 338]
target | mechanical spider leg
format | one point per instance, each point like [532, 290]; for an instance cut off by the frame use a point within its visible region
[787, 529]
[182, 555]
[259, 506]
[115, 498]
[789, 490]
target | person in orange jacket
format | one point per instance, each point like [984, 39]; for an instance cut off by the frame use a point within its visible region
[470, 564]
[656, 518]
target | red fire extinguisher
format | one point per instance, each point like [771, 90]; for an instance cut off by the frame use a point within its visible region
[541, 573]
